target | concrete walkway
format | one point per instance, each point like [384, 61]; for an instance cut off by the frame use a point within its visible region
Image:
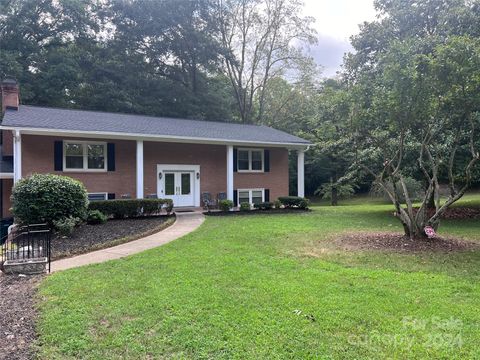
[184, 224]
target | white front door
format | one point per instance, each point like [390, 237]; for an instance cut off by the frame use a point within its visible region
[180, 182]
[178, 186]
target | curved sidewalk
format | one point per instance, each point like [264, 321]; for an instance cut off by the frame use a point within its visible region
[184, 224]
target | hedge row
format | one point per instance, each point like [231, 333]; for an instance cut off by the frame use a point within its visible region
[123, 208]
[294, 202]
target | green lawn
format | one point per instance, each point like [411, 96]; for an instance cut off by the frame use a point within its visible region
[270, 287]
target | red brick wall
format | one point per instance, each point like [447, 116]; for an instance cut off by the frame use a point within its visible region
[211, 158]
[7, 143]
[38, 157]
[276, 179]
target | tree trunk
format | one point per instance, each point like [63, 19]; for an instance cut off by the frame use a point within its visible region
[334, 196]
[431, 201]
[334, 200]
[412, 230]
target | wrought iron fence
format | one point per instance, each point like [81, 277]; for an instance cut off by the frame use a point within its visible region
[26, 245]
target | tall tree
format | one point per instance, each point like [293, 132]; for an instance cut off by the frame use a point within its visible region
[262, 41]
[333, 141]
[415, 80]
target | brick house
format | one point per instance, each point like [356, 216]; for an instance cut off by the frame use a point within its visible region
[121, 155]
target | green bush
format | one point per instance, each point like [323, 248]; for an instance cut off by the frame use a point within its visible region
[294, 202]
[277, 204]
[66, 225]
[245, 206]
[225, 205]
[264, 206]
[123, 208]
[96, 217]
[344, 191]
[45, 198]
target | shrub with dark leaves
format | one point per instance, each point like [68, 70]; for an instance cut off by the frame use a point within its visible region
[45, 198]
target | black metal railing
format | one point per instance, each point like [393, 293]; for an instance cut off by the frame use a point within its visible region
[31, 242]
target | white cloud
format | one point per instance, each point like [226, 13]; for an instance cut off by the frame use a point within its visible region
[336, 21]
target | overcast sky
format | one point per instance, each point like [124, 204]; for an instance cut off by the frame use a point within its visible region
[336, 21]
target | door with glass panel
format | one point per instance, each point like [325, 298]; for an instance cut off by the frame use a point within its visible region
[178, 186]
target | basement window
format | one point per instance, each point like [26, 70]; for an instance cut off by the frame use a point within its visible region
[251, 196]
[97, 196]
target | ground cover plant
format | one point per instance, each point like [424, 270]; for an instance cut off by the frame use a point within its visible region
[273, 287]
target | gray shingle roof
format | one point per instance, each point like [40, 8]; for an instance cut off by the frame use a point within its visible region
[34, 117]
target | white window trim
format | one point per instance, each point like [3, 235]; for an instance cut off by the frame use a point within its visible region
[85, 155]
[105, 194]
[262, 152]
[250, 191]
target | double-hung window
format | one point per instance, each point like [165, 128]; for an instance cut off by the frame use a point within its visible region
[84, 156]
[251, 196]
[250, 160]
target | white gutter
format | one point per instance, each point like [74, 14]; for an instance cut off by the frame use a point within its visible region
[133, 136]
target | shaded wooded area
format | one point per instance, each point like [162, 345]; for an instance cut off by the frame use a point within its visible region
[413, 77]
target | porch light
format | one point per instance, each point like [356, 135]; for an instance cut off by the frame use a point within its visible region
[198, 175]
[160, 175]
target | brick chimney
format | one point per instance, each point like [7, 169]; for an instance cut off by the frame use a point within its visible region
[10, 94]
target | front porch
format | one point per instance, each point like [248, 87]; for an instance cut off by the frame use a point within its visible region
[147, 168]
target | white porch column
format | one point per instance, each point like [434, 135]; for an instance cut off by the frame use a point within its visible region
[17, 156]
[301, 173]
[230, 172]
[139, 169]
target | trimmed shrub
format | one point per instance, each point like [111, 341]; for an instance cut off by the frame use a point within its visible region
[244, 206]
[96, 217]
[263, 206]
[45, 198]
[123, 208]
[225, 205]
[277, 204]
[65, 226]
[294, 202]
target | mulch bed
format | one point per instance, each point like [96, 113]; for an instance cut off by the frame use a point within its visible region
[400, 243]
[114, 232]
[457, 213]
[255, 212]
[17, 316]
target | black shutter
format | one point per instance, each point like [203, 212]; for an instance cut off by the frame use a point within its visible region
[111, 196]
[235, 162]
[235, 198]
[267, 195]
[58, 155]
[111, 157]
[266, 159]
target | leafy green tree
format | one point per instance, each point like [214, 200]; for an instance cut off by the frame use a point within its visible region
[424, 106]
[150, 57]
[261, 41]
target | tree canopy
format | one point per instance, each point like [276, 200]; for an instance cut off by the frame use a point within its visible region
[404, 110]
[157, 57]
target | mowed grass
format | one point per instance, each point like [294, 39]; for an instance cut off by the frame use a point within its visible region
[270, 287]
